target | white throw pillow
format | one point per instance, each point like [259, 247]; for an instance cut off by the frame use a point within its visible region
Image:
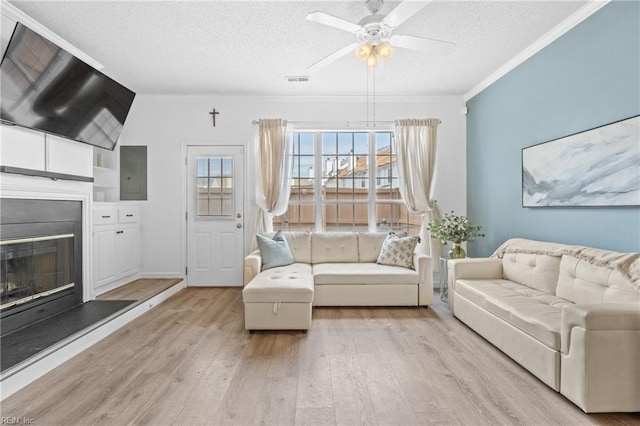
[397, 251]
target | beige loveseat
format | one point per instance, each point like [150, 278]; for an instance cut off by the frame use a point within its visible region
[568, 314]
[330, 269]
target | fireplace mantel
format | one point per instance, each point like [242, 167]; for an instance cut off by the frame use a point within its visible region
[41, 173]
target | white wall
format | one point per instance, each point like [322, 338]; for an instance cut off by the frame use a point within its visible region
[166, 123]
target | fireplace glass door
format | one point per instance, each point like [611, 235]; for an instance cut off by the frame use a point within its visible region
[35, 267]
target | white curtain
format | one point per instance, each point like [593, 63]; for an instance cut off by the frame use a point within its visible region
[273, 171]
[415, 142]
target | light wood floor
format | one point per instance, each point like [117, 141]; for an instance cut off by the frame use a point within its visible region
[190, 361]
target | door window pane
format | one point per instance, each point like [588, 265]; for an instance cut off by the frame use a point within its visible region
[214, 187]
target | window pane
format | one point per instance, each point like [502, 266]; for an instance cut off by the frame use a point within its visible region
[215, 166]
[306, 144]
[214, 187]
[329, 165]
[227, 167]
[330, 190]
[383, 141]
[397, 218]
[295, 167]
[297, 218]
[306, 166]
[329, 144]
[361, 144]
[345, 143]
[202, 168]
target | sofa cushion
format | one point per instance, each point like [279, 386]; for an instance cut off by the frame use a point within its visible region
[369, 245]
[362, 273]
[290, 284]
[334, 247]
[398, 251]
[598, 276]
[535, 312]
[539, 271]
[274, 251]
[300, 245]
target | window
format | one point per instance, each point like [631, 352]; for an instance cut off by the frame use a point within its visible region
[345, 181]
[214, 183]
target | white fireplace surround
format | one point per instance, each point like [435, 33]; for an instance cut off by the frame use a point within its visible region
[29, 187]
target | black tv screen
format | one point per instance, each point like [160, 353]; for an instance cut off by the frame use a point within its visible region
[46, 88]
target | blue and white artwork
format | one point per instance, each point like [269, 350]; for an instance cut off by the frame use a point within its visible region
[598, 167]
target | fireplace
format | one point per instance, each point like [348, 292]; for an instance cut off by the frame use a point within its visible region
[40, 260]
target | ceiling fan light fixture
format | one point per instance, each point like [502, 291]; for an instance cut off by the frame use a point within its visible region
[372, 60]
[364, 51]
[384, 50]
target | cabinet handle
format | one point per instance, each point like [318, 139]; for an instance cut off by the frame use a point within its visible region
[119, 232]
[106, 217]
[129, 215]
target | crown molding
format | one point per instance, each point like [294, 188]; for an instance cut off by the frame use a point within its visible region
[573, 20]
[15, 14]
[454, 100]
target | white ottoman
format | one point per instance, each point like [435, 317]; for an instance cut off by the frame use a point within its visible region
[279, 299]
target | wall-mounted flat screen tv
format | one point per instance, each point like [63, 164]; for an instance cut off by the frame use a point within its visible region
[46, 88]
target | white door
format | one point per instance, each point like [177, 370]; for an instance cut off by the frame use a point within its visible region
[215, 215]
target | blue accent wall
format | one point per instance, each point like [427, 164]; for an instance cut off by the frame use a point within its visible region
[587, 78]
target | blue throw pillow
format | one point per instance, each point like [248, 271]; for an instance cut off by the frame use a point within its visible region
[274, 251]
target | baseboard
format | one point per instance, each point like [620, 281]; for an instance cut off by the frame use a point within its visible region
[25, 373]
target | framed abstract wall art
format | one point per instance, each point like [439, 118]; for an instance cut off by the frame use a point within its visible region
[595, 168]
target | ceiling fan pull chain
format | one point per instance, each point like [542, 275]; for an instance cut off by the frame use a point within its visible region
[368, 116]
[374, 96]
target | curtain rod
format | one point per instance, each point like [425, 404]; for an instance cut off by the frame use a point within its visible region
[335, 122]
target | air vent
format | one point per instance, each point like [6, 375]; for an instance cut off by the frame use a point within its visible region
[297, 78]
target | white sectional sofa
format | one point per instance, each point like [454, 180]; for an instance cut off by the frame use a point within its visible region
[568, 314]
[330, 269]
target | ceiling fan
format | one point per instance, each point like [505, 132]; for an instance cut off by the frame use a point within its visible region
[374, 34]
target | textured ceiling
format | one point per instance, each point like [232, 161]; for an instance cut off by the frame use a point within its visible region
[248, 47]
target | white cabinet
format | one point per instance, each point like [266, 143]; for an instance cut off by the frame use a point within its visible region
[116, 246]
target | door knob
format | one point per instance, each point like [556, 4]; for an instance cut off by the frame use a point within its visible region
[238, 225]
[238, 215]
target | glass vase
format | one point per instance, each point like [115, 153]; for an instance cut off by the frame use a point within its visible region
[457, 252]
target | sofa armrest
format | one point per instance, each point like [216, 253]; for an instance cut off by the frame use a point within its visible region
[599, 364]
[252, 266]
[601, 316]
[481, 268]
[424, 268]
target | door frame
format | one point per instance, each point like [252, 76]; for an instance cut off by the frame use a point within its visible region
[185, 194]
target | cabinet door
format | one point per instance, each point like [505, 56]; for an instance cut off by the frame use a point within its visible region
[104, 255]
[128, 250]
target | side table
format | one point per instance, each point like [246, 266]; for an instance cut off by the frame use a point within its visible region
[444, 283]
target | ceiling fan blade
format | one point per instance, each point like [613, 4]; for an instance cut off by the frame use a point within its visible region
[331, 58]
[426, 45]
[333, 21]
[404, 11]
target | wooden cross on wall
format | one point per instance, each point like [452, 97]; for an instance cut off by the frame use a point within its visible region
[213, 115]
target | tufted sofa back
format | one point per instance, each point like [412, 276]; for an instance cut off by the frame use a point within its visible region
[599, 276]
[369, 245]
[334, 247]
[575, 273]
[300, 245]
[539, 271]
